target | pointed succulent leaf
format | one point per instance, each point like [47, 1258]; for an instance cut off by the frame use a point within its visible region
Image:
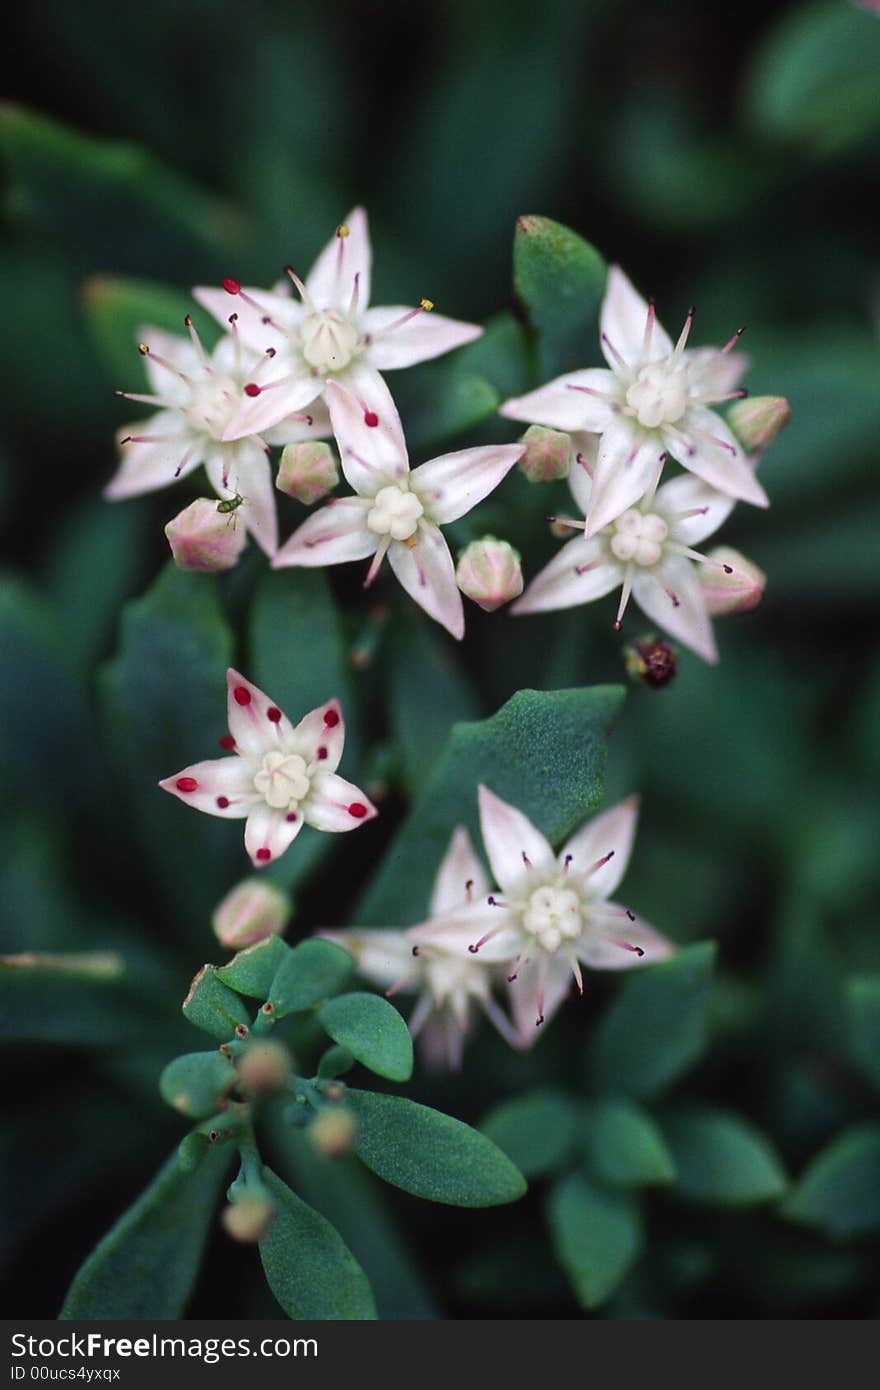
[840, 1191]
[721, 1159]
[373, 1032]
[196, 1083]
[596, 1235]
[560, 278]
[536, 1130]
[625, 1145]
[213, 1006]
[308, 1266]
[310, 973]
[430, 1154]
[253, 970]
[863, 1006]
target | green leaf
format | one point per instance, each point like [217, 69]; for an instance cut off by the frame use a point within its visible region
[626, 1147]
[596, 1235]
[310, 973]
[146, 1265]
[117, 310]
[336, 1061]
[196, 1083]
[658, 1026]
[863, 1006]
[213, 1007]
[721, 1159]
[536, 1130]
[428, 692]
[560, 279]
[164, 701]
[840, 1191]
[373, 1032]
[252, 970]
[309, 1268]
[431, 1155]
[543, 751]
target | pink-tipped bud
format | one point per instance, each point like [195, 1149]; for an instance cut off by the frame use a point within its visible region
[251, 911]
[489, 572]
[547, 455]
[737, 592]
[248, 1220]
[757, 420]
[203, 539]
[264, 1067]
[332, 1131]
[307, 471]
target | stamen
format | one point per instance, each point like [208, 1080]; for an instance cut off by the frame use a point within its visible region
[676, 601]
[732, 342]
[231, 286]
[264, 317]
[649, 496]
[565, 521]
[357, 809]
[424, 307]
[628, 946]
[739, 395]
[141, 398]
[401, 983]
[542, 988]
[600, 395]
[300, 288]
[575, 969]
[599, 863]
[145, 351]
[483, 939]
[376, 562]
[585, 464]
[526, 860]
[233, 324]
[683, 516]
[624, 366]
[649, 329]
[355, 295]
[519, 963]
[496, 902]
[628, 578]
[154, 438]
[185, 460]
[683, 335]
[198, 345]
[469, 890]
[585, 569]
[696, 555]
[566, 863]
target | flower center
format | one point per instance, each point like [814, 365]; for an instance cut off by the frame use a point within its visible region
[328, 340]
[211, 404]
[639, 536]
[282, 780]
[553, 915]
[395, 513]
[659, 395]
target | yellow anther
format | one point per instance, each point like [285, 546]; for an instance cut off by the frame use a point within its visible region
[426, 304]
[342, 230]
[411, 542]
[143, 350]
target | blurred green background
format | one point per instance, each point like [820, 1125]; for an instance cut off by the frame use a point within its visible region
[722, 159]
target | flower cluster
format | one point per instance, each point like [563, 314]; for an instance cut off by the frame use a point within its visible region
[554, 917]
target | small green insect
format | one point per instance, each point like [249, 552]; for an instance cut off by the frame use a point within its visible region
[230, 505]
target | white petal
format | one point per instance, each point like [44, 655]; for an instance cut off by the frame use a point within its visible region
[585, 451]
[383, 957]
[461, 877]
[289, 390]
[290, 431]
[714, 373]
[529, 1001]
[626, 466]
[248, 474]
[427, 573]
[330, 536]
[154, 464]
[320, 736]
[512, 843]
[563, 405]
[334, 804]
[605, 949]
[181, 353]
[612, 832]
[689, 493]
[704, 444]
[372, 454]
[686, 620]
[452, 484]
[268, 833]
[420, 338]
[255, 722]
[331, 279]
[558, 585]
[479, 924]
[230, 779]
[622, 323]
[255, 334]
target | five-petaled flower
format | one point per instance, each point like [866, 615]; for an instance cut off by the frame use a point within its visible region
[450, 985]
[396, 512]
[328, 332]
[647, 552]
[653, 399]
[280, 776]
[554, 915]
[197, 395]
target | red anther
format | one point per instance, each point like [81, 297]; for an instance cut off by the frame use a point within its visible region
[231, 286]
[264, 855]
[227, 742]
[291, 816]
[242, 695]
[331, 719]
[187, 784]
[222, 802]
[357, 809]
[322, 753]
[371, 418]
[241, 1030]
[252, 389]
[274, 713]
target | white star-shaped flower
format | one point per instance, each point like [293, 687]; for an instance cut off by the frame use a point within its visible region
[280, 776]
[653, 399]
[450, 985]
[198, 394]
[648, 552]
[329, 331]
[555, 914]
[396, 512]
